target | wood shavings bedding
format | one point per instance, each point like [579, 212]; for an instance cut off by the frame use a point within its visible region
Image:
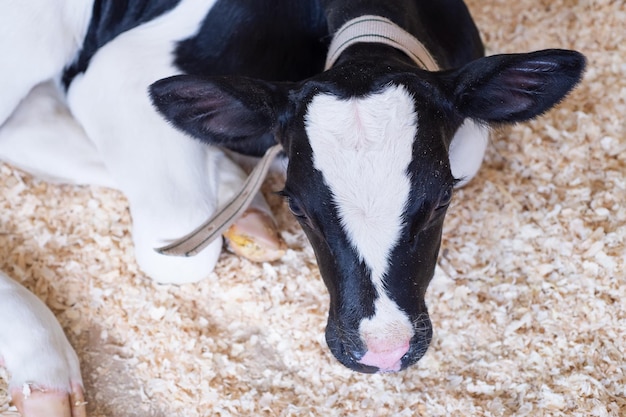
[527, 305]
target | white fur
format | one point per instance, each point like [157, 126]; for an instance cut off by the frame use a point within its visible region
[37, 39]
[363, 147]
[388, 329]
[467, 150]
[32, 343]
[43, 138]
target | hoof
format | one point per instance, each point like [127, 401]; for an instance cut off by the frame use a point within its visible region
[33, 401]
[254, 236]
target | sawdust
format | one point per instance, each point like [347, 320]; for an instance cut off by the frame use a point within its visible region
[528, 302]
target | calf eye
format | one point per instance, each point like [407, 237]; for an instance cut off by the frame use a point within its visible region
[295, 208]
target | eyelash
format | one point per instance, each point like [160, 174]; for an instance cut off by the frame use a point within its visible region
[445, 199]
[294, 207]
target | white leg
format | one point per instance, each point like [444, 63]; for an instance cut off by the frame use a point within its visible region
[45, 372]
[37, 39]
[42, 138]
[169, 179]
[467, 150]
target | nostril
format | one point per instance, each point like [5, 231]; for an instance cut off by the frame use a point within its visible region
[385, 355]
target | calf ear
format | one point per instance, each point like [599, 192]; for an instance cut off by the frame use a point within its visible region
[517, 87]
[234, 112]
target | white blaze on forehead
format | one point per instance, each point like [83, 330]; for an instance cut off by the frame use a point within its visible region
[363, 147]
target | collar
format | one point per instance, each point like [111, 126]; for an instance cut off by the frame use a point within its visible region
[377, 29]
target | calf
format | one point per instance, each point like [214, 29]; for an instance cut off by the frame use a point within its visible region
[375, 143]
[378, 128]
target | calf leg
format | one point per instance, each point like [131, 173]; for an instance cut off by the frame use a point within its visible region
[45, 372]
[170, 181]
[42, 138]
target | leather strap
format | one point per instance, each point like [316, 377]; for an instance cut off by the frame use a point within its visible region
[377, 29]
[207, 232]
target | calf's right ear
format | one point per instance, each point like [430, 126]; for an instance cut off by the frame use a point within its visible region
[237, 113]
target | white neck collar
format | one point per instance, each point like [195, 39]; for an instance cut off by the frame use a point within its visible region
[377, 29]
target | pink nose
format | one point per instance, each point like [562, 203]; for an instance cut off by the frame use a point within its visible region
[386, 356]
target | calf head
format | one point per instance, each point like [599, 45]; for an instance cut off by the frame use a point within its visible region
[369, 176]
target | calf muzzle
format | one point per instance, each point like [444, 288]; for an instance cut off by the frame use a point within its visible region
[381, 355]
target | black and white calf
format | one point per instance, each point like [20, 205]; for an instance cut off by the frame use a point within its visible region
[376, 142]
[378, 127]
